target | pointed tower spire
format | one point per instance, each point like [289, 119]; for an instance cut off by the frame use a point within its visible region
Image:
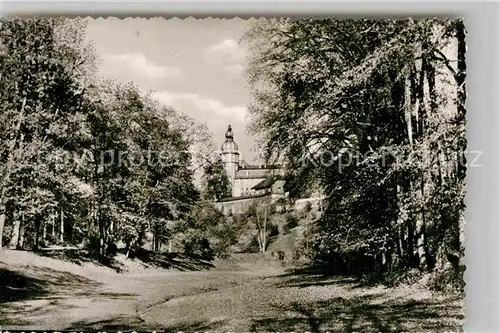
[229, 133]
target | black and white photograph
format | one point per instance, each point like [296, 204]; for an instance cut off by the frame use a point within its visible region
[233, 175]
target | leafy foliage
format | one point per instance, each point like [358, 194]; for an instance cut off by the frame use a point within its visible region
[371, 113]
[216, 180]
[291, 222]
[86, 160]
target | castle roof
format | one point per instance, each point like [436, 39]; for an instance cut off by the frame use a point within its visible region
[253, 173]
[249, 171]
[260, 166]
[229, 146]
[266, 183]
[226, 199]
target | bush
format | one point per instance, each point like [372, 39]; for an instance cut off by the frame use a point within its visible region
[7, 231]
[221, 238]
[448, 279]
[393, 276]
[297, 253]
[273, 230]
[207, 216]
[112, 248]
[253, 247]
[197, 245]
[221, 250]
[303, 246]
[92, 244]
[291, 222]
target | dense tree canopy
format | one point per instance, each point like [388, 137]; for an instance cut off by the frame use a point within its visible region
[373, 112]
[85, 159]
[216, 181]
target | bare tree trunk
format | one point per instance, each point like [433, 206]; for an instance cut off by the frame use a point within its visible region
[37, 233]
[399, 243]
[424, 97]
[420, 225]
[44, 235]
[16, 228]
[461, 94]
[461, 73]
[53, 226]
[421, 218]
[21, 235]
[62, 226]
[261, 228]
[264, 235]
[410, 243]
[2, 223]
[408, 106]
[412, 110]
[399, 232]
[307, 236]
[14, 240]
[101, 237]
[422, 243]
[461, 230]
[156, 243]
[5, 179]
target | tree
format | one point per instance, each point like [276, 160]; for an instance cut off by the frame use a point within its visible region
[158, 190]
[102, 161]
[365, 108]
[216, 180]
[258, 214]
[198, 136]
[42, 93]
[261, 218]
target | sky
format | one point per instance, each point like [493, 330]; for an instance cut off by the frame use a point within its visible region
[195, 66]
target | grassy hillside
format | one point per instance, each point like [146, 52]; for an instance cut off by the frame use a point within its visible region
[288, 232]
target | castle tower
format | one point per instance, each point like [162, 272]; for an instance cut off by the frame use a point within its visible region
[230, 155]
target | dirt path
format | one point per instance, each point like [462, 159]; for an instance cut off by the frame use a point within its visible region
[233, 296]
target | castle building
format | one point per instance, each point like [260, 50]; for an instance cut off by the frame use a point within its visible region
[248, 181]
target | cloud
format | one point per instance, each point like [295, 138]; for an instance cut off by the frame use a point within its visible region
[228, 54]
[236, 69]
[140, 65]
[204, 107]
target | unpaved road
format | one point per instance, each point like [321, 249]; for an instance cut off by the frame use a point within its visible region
[233, 296]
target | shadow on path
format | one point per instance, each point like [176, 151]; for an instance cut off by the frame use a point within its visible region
[15, 286]
[80, 257]
[354, 306]
[360, 314]
[173, 260]
[39, 292]
[119, 323]
[146, 258]
[196, 326]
